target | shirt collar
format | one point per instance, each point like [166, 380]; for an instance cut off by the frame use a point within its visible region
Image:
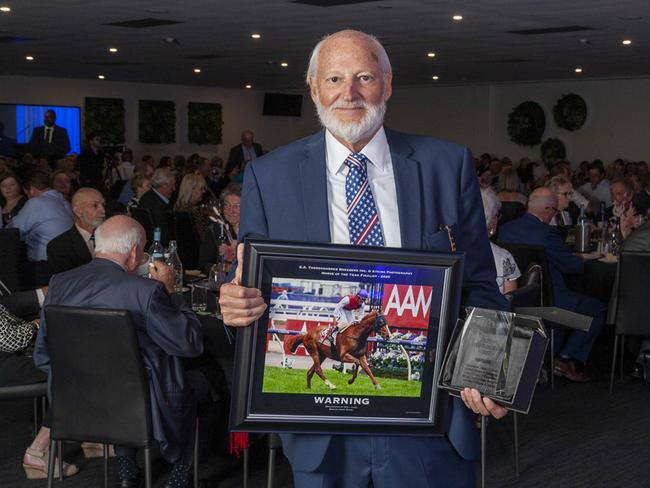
[163, 197]
[377, 151]
[84, 233]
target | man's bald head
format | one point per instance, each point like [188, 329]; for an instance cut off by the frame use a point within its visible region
[88, 206]
[118, 236]
[350, 37]
[542, 203]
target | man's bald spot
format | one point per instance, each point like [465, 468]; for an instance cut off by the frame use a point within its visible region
[120, 223]
[542, 198]
[85, 194]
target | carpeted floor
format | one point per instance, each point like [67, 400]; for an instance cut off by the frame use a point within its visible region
[576, 436]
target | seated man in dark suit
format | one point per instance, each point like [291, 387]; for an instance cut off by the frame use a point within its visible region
[50, 140]
[242, 153]
[158, 200]
[534, 228]
[167, 331]
[75, 246]
[26, 304]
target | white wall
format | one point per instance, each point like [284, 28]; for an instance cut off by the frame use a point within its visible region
[473, 115]
[617, 119]
[242, 109]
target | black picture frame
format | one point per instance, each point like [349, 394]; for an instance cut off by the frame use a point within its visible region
[409, 286]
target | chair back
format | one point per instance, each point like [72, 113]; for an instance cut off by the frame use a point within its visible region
[187, 238]
[631, 315]
[99, 390]
[524, 255]
[143, 216]
[511, 211]
[9, 259]
[527, 295]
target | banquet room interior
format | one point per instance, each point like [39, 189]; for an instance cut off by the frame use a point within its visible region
[155, 108]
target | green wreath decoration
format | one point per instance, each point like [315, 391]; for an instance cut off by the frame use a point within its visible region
[570, 112]
[553, 149]
[526, 124]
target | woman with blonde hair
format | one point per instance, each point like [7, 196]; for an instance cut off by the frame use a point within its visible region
[190, 195]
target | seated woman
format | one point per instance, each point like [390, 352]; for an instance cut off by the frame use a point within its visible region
[17, 368]
[12, 197]
[221, 236]
[507, 270]
[140, 184]
[190, 195]
[510, 187]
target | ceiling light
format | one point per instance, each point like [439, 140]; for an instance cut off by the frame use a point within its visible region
[626, 42]
[457, 18]
[29, 58]
[112, 49]
[101, 77]
[435, 77]
[197, 70]
[284, 64]
[578, 70]
[5, 9]
[431, 55]
[255, 35]
[248, 87]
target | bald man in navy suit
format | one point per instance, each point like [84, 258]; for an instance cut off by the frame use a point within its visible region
[418, 184]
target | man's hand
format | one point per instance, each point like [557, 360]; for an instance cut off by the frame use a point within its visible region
[240, 306]
[481, 405]
[159, 271]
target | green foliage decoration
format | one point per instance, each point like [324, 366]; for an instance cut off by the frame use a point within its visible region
[570, 111]
[526, 124]
[553, 149]
[204, 123]
[156, 122]
[105, 116]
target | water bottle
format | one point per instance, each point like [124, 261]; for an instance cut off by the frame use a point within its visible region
[616, 238]
[583, 234]
[174, 262]
[156, 250]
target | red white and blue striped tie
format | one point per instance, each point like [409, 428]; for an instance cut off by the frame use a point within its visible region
[363, 220]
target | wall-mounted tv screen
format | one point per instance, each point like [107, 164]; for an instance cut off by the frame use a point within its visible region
[25, 129]
[282, 104]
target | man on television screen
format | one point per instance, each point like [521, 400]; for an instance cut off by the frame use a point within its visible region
[50, 140]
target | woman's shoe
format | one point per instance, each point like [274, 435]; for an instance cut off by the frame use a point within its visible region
[95, 450]
[38, 471]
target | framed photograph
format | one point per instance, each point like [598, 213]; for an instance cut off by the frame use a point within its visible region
[352, 340]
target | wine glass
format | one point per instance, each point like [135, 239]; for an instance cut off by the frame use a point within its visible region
[216, 278]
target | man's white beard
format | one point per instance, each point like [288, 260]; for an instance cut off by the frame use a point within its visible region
[352, 132]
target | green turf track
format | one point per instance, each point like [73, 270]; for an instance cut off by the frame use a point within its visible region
[279, 380]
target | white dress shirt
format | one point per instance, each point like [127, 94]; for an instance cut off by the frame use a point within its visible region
[382, 184]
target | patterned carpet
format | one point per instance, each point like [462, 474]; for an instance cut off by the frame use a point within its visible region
[576, 436]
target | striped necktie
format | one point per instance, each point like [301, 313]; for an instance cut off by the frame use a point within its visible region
[363, 221]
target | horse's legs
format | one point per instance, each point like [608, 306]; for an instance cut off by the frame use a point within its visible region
[348, 358]
[310, 373]
[363, 360]
[316, 356]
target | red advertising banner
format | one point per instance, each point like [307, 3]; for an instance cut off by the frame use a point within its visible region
[407, 305]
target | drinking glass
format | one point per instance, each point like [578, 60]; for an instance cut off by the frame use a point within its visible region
[199, 297]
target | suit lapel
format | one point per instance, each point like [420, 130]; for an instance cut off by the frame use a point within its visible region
[408, 186]
[313, 184]
[79, 246]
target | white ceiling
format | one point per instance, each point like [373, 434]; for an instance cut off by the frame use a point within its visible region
[69, 39]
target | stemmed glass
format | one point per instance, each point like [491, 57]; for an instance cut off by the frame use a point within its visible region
[216, 278]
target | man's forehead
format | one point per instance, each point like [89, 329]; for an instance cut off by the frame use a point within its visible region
[340, 48]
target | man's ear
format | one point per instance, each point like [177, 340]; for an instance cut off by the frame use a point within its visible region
[313, 89]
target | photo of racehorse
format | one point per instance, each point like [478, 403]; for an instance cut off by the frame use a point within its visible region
[356, 338]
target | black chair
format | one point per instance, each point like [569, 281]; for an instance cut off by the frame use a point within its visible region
[36, 391]
[99, 389]
[9, 259]
[529, 293]
[186, 236]
[631, 313]
[143, 215]
[524, 255]
[511, 211]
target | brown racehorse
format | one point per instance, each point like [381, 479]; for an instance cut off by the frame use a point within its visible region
[351, 345]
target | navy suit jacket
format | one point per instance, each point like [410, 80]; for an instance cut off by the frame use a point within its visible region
[167, 331]
[528, 229]
[59, 147]
[285, 198]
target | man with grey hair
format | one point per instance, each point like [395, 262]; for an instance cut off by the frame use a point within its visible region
[568, 201]
[166, 328]
[241, 154]
[401, 191]
[158, 200]
[534, 228]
